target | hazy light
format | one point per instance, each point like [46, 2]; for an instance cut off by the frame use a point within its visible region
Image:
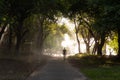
[70, 42]
[66, 41]
[64, 44]
[67, 22]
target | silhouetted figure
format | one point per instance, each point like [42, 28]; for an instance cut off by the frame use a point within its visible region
[64, 54]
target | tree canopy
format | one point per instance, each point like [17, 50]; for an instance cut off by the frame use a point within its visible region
[97, 19]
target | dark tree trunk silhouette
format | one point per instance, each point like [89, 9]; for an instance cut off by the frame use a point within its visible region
[18, 36]
[41, 34]
[101, 44]
[20, 33]
[89, 27]
[88, 48]
[10, 38]
[118, 42]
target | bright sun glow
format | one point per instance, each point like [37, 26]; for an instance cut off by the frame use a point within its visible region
[70, 42]
[71, 45]
[66, 41]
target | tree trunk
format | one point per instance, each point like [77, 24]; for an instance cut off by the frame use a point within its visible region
[99, 50]
[119, 42]
[18, 36]
[95, 47]
[40, 36]
[79, 49]
[101, 44]
[88, 48]
[86, 38]
[18, 45]
[39, 43]
[77, 37]
[10, 38]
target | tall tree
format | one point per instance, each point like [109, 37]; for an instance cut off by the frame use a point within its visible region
[107, 17]
[46, 12]
[96, 10]
[111, 17]
[75, 11]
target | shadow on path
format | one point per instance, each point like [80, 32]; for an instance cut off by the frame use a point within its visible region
[57, 69]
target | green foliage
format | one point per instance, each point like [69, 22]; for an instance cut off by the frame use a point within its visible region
[55, 37]
[47, 8]
[96, 67]
[111, 14]
[78, 6]
[102, 73]
[114, 42]
[105, 15]
[88, 60]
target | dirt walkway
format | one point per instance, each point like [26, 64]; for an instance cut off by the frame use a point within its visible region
[57, 69]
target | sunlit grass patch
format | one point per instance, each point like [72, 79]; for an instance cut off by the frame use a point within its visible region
[97, 67]
[102, 73]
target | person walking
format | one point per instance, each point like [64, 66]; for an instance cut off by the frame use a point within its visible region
[64, 54]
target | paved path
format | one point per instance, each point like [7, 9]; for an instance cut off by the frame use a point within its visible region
[57, 69]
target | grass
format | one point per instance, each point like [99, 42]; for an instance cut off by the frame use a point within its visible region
[96, 67]
[101, 73]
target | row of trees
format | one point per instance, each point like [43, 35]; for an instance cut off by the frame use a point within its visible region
[24, 18]
[98, 19]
